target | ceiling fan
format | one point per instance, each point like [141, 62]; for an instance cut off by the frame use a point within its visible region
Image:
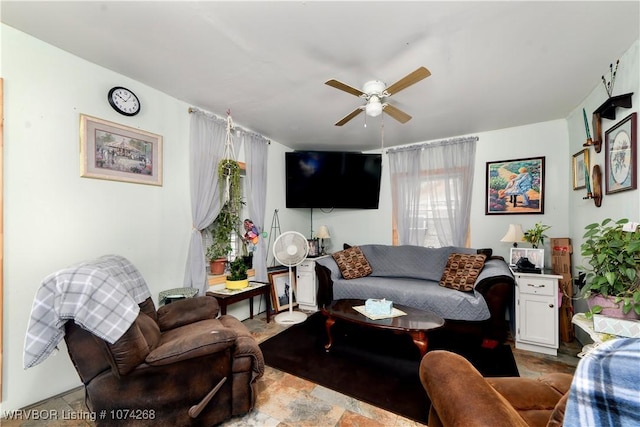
[375, 93]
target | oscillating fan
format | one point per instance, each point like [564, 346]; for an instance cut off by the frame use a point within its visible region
[290, 249]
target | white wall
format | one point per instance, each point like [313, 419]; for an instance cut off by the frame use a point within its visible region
[620, 205]
[615, 206]
[54, 218]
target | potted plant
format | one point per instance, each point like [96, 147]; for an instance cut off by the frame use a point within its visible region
[237, 277]
[536, 235]
[613, 272]
[228, 218]
[217, 255]
[221, 229]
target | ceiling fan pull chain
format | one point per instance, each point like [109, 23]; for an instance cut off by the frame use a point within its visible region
[382, 134]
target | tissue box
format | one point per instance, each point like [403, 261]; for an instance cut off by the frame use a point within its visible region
[378, 307]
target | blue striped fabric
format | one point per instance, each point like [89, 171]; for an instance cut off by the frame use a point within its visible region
[606, 386]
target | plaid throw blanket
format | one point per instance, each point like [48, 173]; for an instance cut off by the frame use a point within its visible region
[101, 296]
[606, 386]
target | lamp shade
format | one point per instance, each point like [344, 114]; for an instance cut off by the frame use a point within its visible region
[323, 232]
[374, 107]
[514, 234]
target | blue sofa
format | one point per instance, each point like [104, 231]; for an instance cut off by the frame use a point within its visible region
[410, 276]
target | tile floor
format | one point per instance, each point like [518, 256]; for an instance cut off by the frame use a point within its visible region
[284, 400]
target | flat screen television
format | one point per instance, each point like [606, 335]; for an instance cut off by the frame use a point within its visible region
[332, 179]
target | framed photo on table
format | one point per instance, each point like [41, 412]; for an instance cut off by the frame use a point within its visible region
[281, 286]
[621, 163]
[535, 256]
[580, 169]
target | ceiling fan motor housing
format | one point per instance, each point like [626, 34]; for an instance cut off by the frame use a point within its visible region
[374, 87]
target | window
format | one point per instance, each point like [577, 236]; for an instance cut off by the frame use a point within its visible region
[432, 188]
[435, 210]
[223, 236]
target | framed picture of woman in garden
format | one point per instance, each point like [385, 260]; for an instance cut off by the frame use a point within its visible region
[515, 186]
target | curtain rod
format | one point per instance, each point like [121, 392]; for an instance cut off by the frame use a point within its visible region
[434, 143]
[236, 127]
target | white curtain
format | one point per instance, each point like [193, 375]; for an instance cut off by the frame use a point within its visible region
[206, 148]
[256, 151]
[436, 178]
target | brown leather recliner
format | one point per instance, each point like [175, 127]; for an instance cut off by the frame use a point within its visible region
[178, 366]
[461, 397]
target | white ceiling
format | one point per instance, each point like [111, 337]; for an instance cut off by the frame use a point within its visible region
[494, 64]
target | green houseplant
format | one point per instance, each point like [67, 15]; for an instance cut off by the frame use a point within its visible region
[536, 235]
[237, 277]
[613, 271]
[230, 186]
[228, 219]
[221, 229]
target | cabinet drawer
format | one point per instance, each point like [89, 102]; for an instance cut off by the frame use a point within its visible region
[536, 286]
[306, 266]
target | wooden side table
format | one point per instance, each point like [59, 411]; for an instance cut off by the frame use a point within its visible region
[227, 297]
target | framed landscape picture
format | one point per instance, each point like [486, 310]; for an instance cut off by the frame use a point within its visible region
[515, 186]
[580, 169]
[119, 153]
[620, 156]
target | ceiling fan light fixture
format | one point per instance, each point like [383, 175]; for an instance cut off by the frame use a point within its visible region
[374, 92]
[374, 107]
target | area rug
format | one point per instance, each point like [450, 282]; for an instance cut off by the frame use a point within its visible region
[377, 367]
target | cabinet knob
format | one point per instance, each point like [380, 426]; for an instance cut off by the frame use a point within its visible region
[551, 305]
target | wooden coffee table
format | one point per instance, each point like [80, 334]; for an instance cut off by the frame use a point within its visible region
[416, 323]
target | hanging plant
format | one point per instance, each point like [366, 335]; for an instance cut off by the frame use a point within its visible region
[228, 220]
[229, 181]
[221, 230]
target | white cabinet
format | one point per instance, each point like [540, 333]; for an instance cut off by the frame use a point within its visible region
[537, 312]
[306, 284]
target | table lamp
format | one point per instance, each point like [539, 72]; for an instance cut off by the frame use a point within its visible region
[514, 235]
[322, 233]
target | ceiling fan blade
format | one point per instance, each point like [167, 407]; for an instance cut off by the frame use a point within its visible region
[350, 116]
[396, 113]
[408, 80]
[344, 87]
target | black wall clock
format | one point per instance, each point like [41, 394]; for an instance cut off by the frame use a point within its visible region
[124, 101]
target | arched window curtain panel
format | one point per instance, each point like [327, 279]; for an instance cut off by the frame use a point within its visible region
[256, 154]
[431, 189]
[206, 148]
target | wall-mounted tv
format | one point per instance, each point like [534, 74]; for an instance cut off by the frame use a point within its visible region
[332, 179]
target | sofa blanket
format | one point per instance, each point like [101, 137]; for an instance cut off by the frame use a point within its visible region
[410, 275]
[90, 294]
